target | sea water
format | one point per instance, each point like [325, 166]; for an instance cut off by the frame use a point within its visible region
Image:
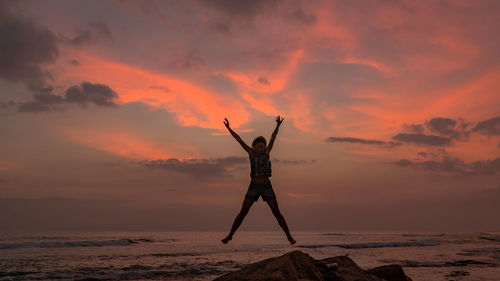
[201, 255]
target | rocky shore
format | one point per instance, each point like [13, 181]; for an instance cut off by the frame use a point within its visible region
[299, 266]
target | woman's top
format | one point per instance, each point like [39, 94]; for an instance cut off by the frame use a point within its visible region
[260, 165]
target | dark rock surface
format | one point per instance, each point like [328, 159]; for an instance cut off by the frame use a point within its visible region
[299, 266]
[389, 272]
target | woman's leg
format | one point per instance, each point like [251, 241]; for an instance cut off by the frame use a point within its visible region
[273, 204]
[247, 203]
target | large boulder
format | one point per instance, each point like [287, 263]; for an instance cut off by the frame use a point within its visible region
[299, 266]
[292, 266]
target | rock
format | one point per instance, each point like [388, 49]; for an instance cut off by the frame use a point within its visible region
[292, 266]
[391, 272]
[299, 266]
[346, 270]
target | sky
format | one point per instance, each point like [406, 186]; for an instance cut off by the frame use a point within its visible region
[111, 114]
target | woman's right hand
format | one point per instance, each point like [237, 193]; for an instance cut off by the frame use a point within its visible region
[226, 122]
[278, 120]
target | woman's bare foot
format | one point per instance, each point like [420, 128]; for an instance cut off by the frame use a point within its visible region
[292, 241]
[225, 240]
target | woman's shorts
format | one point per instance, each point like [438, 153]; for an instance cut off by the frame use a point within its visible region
[264, 189]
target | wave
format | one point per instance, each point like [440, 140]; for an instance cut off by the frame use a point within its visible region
[495, 252]
[415, 243]
[71, 244]
[133, 272]
[456, 263]
[422, 235]
[490, 238]
[173, 254]
[16, 273]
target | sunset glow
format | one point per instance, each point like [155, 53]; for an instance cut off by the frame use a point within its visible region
[382, 101]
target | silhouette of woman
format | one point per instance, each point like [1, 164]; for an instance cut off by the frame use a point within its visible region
[260, 185]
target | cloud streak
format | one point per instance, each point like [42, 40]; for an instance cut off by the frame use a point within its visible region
[85, 36]
[362, 141]
[126, 144]
[489, 127]
[213, 168]
[83, 95]
[453, 165]
[198, 168]
[422, 139]
[446, 131]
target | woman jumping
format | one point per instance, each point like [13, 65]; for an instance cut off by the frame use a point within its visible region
[260, 185]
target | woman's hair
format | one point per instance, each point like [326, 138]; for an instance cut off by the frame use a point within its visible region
[259, 139]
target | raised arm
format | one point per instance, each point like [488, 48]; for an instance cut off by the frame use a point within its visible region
[273, 137]
[235, 135]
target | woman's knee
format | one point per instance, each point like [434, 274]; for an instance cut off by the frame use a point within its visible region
[275, 209]
[243, 212]
[276, 213]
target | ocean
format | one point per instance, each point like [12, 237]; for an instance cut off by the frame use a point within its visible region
[201, 255]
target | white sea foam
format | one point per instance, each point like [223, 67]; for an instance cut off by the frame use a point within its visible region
[414, 243]
[70, 244]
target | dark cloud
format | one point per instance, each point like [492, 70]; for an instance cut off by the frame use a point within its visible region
[85, 36]
[263, 80]
[439, 124]
[362, 141]
[486, 167]
[210, 168]
[450, 165]
[163, 88]
[423, 154]
[25, 49]
[83, 95]
[293, 162]
[456, 129]
[443, 127]
[189, 60]
[88, 93]
[454, 166]
[219, 26]
[242, 9]
[353, 140]
[299, 15]
[198, 168]
[490, 127]
[423, 139]
[74, 62]
[7, 105]
[444, 131]
[434, 155]
[414, 128]
[42, 101]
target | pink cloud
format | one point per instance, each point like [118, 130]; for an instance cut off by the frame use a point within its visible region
[268, 81]
[193, 104]
[129, 146]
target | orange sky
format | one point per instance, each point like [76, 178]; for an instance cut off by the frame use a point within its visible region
[384, 102]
